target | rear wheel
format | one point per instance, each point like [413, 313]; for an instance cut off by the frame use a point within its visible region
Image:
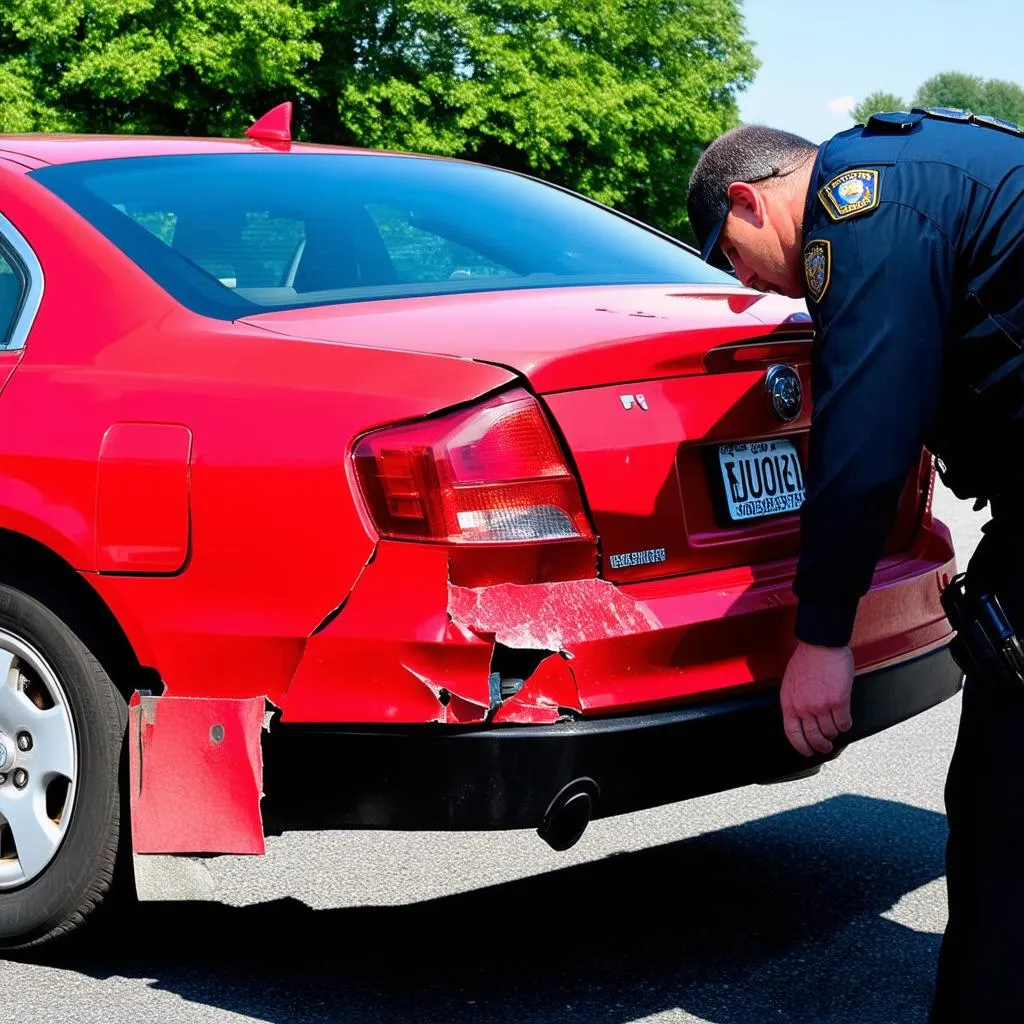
[62, 725]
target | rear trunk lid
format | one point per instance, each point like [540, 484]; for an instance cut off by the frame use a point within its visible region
[661, 397]
[560, 339]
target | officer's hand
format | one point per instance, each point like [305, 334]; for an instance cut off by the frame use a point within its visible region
[816, 697]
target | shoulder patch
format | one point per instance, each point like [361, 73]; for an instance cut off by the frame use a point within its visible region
[818, 267]
[851, 193]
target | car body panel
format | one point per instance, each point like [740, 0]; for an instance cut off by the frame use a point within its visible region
[560, 339]
[625, 648]
[207, 745]
[55, 148]
[657, 489]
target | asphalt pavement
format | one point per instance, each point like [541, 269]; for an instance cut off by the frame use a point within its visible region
[816, 901]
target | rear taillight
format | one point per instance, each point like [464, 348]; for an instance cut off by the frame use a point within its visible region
[491, 474]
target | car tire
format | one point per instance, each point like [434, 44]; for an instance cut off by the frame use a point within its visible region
[82, 862]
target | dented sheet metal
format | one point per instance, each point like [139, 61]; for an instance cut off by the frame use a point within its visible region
[196, 769]
[453, 709]
[393, 656]
[550, 616]
[434, 657]
[548, 693]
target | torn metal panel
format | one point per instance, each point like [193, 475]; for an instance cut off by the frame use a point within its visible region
[393, 655]
[550, 616]
[196, 774]
[340, 606]
[447, 654]
[546, 696]
[451, 707]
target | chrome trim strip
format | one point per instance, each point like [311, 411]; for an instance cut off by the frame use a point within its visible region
[32, 300]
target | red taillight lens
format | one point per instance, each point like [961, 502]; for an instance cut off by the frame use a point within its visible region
[493, 474]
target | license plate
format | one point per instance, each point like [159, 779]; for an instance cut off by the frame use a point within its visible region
[762, 478]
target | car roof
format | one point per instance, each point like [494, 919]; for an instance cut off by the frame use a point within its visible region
[66, 149]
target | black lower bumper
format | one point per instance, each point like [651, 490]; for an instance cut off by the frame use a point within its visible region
[505, 777]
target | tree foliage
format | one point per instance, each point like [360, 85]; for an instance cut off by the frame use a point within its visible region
[875, 103]
[168, 66]
[953, 89]
[614, 98]
[1003, 99]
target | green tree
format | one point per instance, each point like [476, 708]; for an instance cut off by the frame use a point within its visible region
[614, 98]
[876, 103]
[1003, 99]
[954, 89]
[167, 66]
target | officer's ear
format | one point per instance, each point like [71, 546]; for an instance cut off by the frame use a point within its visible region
[746, 203]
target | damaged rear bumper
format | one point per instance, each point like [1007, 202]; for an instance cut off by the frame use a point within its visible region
[441, 777]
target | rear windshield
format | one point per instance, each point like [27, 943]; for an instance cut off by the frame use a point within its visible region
[237, 234]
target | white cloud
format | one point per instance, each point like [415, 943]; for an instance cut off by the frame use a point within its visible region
[840, 105]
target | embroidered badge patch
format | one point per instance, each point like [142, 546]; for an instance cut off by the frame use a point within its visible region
[850, 193]
[818, 268]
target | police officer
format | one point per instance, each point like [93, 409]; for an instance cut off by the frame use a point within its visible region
[906, 237]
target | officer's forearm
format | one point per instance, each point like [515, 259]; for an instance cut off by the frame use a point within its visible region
[825, 623]
[843, 533]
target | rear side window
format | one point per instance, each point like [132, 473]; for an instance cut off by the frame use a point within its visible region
[12, 293]
[234, 234]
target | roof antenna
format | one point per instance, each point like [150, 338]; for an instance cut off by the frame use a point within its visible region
[273, 126]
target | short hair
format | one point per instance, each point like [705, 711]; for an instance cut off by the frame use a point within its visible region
[750, 153]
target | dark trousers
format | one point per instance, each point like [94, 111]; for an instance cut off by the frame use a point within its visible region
[980, 977]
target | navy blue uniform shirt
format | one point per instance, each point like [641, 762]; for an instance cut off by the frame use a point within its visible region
[913, 254]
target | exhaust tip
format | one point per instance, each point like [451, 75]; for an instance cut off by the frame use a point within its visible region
[568, 815]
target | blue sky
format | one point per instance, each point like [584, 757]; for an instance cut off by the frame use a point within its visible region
[818, 54]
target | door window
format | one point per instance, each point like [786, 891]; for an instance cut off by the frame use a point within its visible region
[12, 290]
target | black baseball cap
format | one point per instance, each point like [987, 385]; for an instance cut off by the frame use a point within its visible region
[749, 154]
[707, 218]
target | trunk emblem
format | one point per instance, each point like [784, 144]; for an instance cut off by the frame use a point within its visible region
[628, 401]
[785, 392]
[652, 556]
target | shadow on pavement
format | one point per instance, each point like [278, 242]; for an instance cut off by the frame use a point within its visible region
[775, 920]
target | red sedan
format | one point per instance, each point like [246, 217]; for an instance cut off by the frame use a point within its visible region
[343, 489]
